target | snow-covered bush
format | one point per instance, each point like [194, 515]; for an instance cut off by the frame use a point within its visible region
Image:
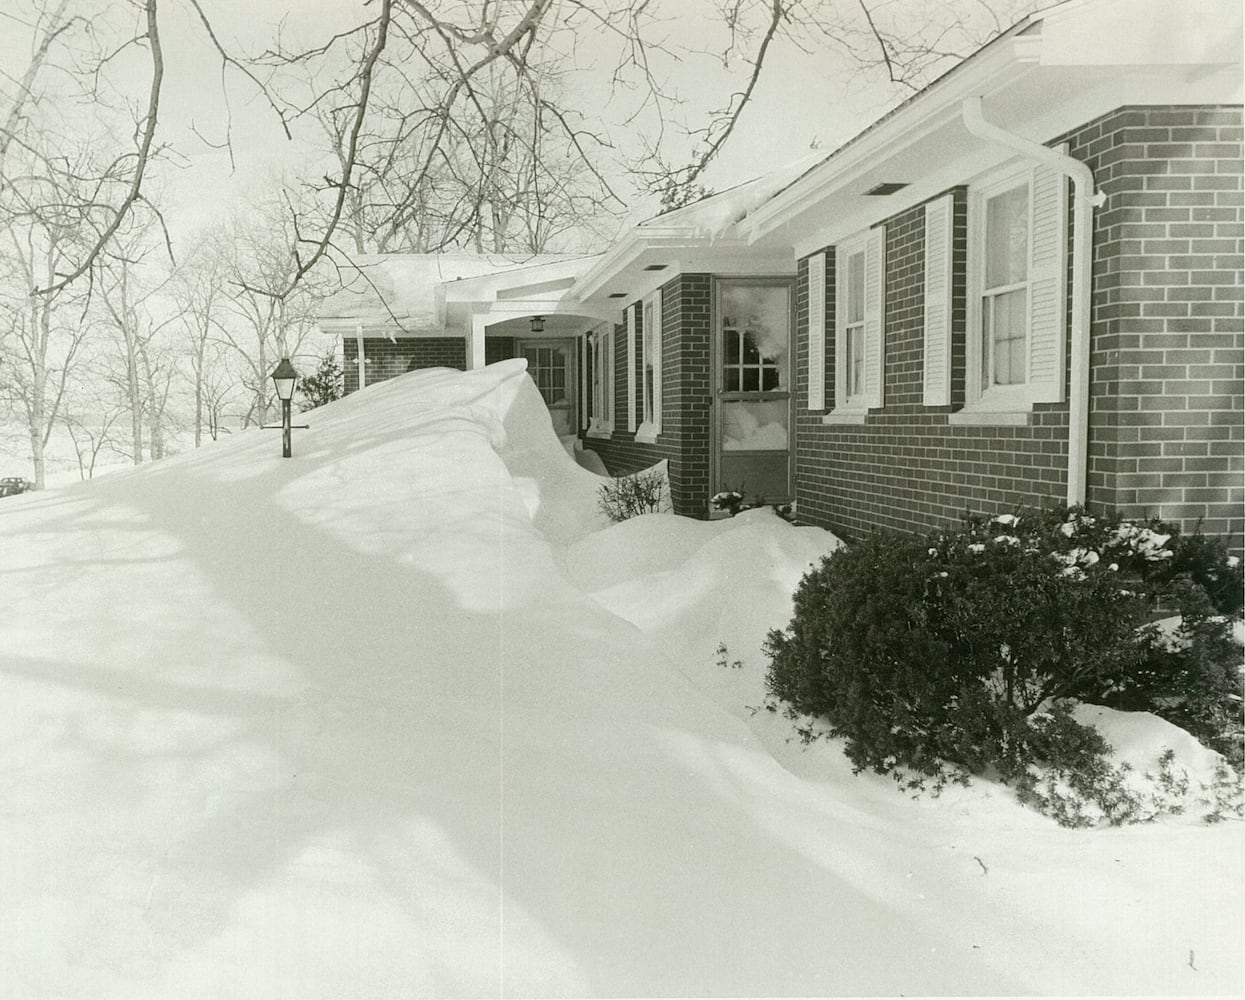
[932, 656]
[629, 496]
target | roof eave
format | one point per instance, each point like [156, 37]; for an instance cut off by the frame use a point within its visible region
[924, 112]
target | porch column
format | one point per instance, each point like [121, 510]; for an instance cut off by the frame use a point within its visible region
[359, 357]
[475, 343]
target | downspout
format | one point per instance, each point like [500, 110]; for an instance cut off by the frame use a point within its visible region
[1084, 200]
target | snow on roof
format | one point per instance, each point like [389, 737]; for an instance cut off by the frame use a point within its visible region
[406, 290]
[712, 216]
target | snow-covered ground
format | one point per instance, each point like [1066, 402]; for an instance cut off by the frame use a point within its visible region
[400, 716]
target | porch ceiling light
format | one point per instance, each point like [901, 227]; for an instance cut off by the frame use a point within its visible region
[538, 324]
[617, 295]
[656, 267]
[887, 187]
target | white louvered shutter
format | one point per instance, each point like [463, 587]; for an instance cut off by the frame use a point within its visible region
[659, 366]
[875, 294]
[937, 375]
[817, 332]
[630, 380]
[1048, 279]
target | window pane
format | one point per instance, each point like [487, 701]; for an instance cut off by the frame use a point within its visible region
[730, 340]
[1007, 329]
[764, 311]
[752, 356]
[769, 379]
[730, 379]
[1007, 237]
[855, 360]
[754, 426]
[752, 380]
[855, 304]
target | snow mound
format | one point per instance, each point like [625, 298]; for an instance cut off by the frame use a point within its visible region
[401, 716]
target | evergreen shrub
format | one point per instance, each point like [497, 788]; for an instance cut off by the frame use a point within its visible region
[950, 655]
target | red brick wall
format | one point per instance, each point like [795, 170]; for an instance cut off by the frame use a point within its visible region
[500, 349]
[1166, 419]
[386, 358]
[684, 438]
[906, 468]
[1166, 397]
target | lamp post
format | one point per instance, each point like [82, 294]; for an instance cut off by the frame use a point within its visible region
[283, 377]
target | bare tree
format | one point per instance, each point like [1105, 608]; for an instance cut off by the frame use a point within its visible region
[127, 291]
[91, 420]
[40, 336]
[452, 122]
[199, 290]
[46, 156]
[269, 310]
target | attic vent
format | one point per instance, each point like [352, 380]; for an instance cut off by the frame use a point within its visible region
[656, 267]
[888, 187]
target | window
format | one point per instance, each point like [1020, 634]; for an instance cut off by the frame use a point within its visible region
[650, 321]
[859, 279]
[547, 366]
[754, 401]
[1016, 300]
[1005, 288]
[854, 327]
[601, 382]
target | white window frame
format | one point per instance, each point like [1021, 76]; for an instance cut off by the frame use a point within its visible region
[601, 391]
[852, 408]
[995, 398]
[650, 360]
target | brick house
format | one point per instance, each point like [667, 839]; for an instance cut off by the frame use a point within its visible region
[1024, 284]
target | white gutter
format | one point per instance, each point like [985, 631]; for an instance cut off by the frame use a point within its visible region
[1084, 200]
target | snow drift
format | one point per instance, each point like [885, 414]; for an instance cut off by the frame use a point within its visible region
[400, 716]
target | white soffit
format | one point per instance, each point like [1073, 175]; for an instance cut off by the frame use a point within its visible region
[1045, 80]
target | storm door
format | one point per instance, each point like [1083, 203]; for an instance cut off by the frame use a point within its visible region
[551, 364]
[753, 388]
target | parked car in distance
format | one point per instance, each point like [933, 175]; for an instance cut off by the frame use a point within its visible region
[13, 485]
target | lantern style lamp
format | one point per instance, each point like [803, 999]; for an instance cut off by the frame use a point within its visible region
[538, 324]
[284, 376]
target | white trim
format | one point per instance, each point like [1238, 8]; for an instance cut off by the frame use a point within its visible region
[651, 335]
[630, 327]
[601, 392]
[583, 345]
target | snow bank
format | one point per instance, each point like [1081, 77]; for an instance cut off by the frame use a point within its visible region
[400, 716]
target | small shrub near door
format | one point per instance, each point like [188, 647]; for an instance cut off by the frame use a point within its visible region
[630, 496]
[940, 657]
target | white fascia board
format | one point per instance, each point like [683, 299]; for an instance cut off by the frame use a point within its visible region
[629, 251]
[923, 114]
[484, 287]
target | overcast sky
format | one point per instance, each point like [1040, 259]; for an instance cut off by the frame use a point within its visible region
[802, 98]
